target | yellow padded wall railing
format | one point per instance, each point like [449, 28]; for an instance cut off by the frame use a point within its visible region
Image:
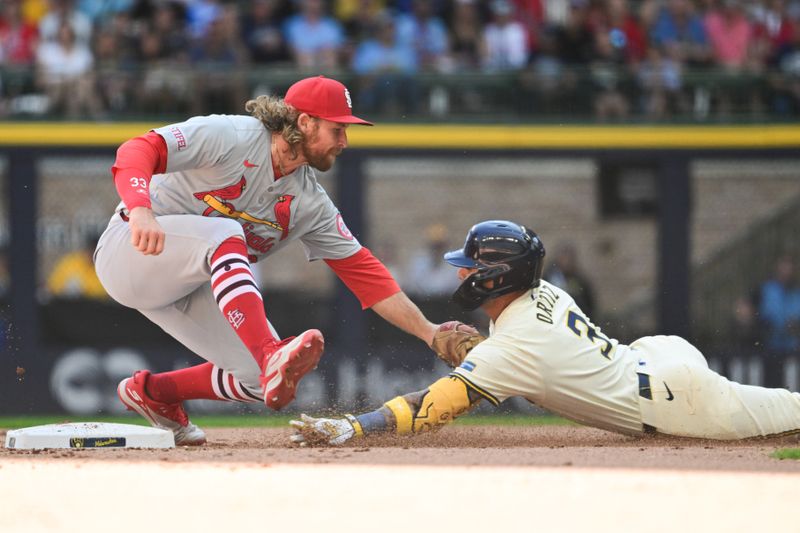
[453, 136]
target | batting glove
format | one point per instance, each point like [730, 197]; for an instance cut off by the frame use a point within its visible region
[311, 431]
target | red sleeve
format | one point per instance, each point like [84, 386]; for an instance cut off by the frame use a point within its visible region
[365, 276]
[137, 160]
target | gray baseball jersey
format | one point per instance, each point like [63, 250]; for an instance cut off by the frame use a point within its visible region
[543, 348]
[218, 183]
[221, 166]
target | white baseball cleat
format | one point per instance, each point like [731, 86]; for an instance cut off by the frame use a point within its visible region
[132, 393]
[288, 365]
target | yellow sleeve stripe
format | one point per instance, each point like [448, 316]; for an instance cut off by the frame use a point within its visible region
[494, 401]
[359, 431]
[402, 414]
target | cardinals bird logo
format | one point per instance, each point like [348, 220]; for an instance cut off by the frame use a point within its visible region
[218, 201]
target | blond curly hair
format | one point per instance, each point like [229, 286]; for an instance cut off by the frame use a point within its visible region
[277, 116]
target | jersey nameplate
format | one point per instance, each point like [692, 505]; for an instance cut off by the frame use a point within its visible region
[545, 301]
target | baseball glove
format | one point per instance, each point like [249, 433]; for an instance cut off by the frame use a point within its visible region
[453, 341]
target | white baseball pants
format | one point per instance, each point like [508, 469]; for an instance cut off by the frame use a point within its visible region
[691, 400]
[173, 289]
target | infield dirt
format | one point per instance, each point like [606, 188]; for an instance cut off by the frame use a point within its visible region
[551, 446]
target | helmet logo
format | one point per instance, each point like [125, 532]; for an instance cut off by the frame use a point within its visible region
[347, 97]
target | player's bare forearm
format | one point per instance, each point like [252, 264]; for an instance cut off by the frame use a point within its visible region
[401, 312]
[421, 411]
[147, 235]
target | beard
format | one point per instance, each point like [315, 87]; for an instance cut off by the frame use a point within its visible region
[320, 160]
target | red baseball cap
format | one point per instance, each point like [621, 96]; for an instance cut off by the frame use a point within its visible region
[324, 98]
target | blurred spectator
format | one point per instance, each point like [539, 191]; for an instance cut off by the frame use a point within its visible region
[18, 38]
[436, 7]
[219, 84]
[530, 13]
[786, 82]
[573, 48]
[574, 42]
[168, 22]
[773, 30]
[505, 43]
[64, 72]
[623, 32]
[545, 84]
[555, 12]
[119, 41]
[261, 30]
[73, 275]
[566, 274]
[427, 274]
[200, 15]
[111, 69]
[619, 43]
[596, 14]
[465, 35]
[60, 12]
[586, 54]
[99, 10]
[347, 11]
[659, 77]
[730, 34]
[383, 53]
[679, 31]
[361, 25]
[647, 12]
[607, 74]
[164, 85]
[745, 342]
[426, 33]
[221, 44]
[115, 58]
[780, 308]
[34, 10]
[735, 48]
[386, 67]
[315, 39]
[746, 328]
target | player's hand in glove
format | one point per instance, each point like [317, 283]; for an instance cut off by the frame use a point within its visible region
[453, 340]
[311, 431]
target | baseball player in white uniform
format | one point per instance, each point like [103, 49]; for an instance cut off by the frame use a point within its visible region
[201, 201]
[543, 348]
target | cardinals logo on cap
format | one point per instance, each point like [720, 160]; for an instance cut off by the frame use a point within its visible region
[321, 97]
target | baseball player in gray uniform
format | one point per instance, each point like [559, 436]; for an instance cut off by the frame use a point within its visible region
[543, 348]
[201, 201]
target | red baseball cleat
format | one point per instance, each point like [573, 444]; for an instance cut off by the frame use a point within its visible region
[287, 365]
[170, 416]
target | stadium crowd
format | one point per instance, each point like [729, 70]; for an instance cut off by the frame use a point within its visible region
[607, 58]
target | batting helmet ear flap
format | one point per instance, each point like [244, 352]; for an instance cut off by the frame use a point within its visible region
[473, 291]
